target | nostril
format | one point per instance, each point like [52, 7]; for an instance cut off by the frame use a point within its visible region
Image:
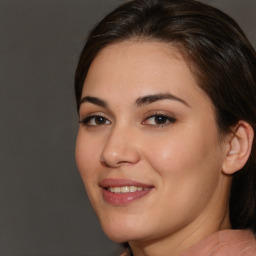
[124, 163]
[114, 165]
[105, 164]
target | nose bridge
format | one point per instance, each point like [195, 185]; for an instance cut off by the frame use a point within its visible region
[120, 147]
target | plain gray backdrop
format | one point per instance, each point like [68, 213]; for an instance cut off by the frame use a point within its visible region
[44, 210]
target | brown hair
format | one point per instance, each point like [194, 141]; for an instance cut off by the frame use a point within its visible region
[220, 56]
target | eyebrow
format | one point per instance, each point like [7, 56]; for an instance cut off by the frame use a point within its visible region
[145, 100]
[148, 99]
[93, 100]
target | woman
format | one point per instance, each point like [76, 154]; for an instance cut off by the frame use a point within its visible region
[166, 95]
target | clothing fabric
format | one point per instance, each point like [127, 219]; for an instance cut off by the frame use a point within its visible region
[126, 252]
[225, 243]
[222, 243]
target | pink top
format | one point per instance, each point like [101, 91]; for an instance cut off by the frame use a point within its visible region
[222, 243]
[225, 243]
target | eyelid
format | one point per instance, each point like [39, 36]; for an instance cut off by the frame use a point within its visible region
[171, 118]
[86, 114]
[168, 117]
[85, 120]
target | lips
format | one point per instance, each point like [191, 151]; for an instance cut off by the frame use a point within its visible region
[122, 191]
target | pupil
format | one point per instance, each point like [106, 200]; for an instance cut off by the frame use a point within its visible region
[160, 119]
[100, 120]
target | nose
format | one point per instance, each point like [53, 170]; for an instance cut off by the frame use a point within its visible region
[121, 148]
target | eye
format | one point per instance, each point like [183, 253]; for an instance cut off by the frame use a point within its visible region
[95, 120]
[159, 120]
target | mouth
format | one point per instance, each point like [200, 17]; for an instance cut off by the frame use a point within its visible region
[126, 189]
[123, 192]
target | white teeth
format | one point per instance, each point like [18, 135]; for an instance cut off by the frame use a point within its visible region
[133, 188]
[125, 189]
[116, 190]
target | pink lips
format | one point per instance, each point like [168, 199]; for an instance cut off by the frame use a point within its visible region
[123, 198]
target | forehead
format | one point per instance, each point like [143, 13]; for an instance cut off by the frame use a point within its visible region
[137, 54]
[141, 67]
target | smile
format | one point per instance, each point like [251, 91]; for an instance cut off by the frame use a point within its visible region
[122, 192]
[125, 189]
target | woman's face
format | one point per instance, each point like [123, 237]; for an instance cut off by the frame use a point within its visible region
[148, 149]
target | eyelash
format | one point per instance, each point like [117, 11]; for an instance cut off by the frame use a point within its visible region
[88, 119]
[165, 118]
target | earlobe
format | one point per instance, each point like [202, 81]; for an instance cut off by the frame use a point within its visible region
[239, 148]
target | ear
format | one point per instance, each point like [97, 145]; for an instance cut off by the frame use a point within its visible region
[239, 147]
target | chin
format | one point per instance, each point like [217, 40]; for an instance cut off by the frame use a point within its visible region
[121, 232]
[119, 236]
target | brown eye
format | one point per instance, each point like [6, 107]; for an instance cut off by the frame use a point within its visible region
[96, 120]
[159, 120]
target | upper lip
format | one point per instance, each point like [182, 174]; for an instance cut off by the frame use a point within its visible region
[106, 183]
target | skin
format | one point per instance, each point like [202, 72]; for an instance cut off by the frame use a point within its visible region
[182, 159]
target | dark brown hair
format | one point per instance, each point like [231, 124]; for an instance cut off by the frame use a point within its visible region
[220, 57]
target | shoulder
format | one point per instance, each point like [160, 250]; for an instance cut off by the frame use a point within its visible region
[225, 243]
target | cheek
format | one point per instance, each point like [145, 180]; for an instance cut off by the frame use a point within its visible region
[188, 168]
[186, 159]
[85, 155]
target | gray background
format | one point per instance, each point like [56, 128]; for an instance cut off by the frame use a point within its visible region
[44, 210]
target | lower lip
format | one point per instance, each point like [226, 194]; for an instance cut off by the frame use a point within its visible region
[123, 198]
